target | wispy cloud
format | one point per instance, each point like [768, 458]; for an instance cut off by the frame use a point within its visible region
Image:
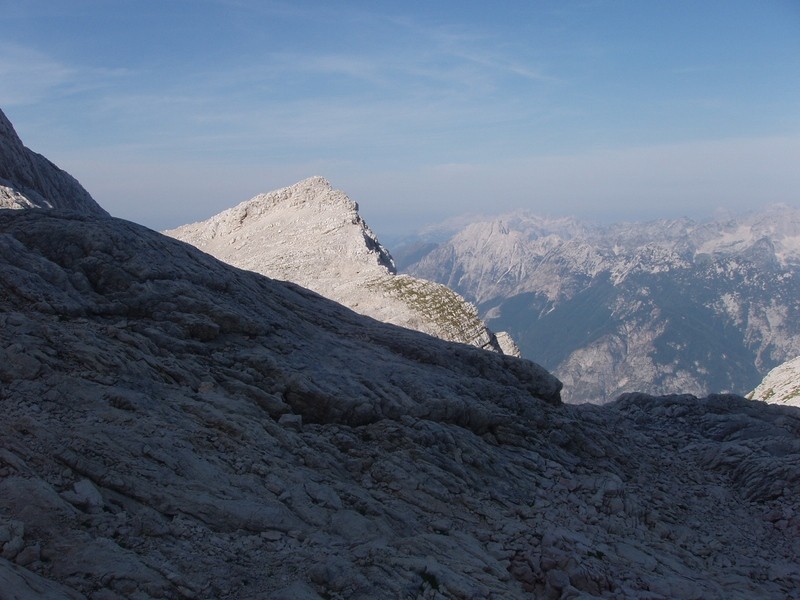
[30, 76]
[494, 56]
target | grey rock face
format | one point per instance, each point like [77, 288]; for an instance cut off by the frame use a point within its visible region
[662, 307]
[29, 180]
[177, 428]
[312, 235]
[781, 385]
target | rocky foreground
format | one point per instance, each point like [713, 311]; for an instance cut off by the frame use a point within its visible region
[176, 428]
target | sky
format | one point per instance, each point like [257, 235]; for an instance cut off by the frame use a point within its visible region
[170, 111]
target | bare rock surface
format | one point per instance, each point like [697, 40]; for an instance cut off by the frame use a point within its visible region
[174, 427]
[29, 180]
[781, 385]
[313, 235]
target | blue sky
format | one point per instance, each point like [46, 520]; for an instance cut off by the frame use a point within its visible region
[169, 111]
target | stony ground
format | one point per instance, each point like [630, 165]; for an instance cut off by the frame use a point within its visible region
[176, 428]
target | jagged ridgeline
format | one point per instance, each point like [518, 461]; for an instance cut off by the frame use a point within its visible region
[670, 306]
[174, 427]
[312, 235]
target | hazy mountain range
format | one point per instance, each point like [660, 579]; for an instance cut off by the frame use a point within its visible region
[668, 306]
[176, 427]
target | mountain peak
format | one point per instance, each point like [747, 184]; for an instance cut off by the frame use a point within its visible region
[29, 180]
[296, 215]
[313, 235]
[313, 190]
[7, 132]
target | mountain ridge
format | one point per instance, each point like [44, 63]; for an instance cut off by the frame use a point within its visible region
[176, 427]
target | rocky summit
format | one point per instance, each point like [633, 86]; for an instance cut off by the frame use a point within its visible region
[313, 235]
[175, 427]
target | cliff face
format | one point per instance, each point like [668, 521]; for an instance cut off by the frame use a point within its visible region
[312, 235]
[29, 180]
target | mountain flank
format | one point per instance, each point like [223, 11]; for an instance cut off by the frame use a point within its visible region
[175, 427]
[313, 235]
[29, 180]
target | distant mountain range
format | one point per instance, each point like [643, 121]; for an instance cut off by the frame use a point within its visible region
[662, 307]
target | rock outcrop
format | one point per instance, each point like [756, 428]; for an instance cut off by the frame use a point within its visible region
[313, 235]
[781, 385]
[29, 180]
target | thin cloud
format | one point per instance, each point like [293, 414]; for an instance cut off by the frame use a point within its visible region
[478, 49]
[30, 76]
[501, 65]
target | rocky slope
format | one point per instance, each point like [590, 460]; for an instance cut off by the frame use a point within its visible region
[176, 428]
[781, 385]
[29, 180]
[662, 307]
[312, 235]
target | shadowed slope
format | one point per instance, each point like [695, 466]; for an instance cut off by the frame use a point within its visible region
[29, 180]
[174, 427]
